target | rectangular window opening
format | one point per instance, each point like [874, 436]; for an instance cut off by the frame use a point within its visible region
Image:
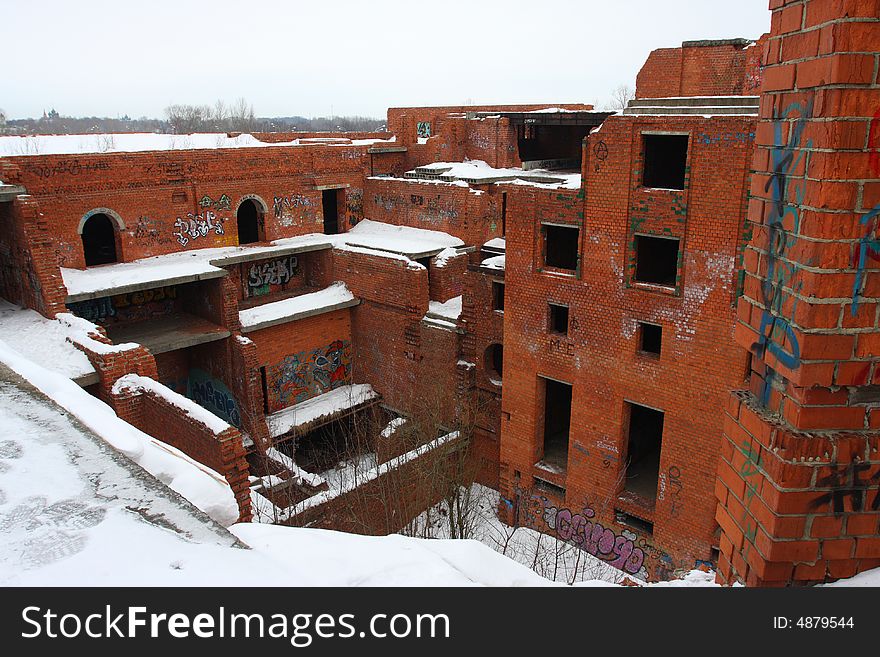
[643, 451]
[558, 319]
[635, 522]
[561, 246]
[656, 260]
[548, 487]
[650, 338]
[497, 296]
[557, 423]
[665, 161]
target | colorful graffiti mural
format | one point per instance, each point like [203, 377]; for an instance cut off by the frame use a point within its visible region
[619, 550]
[276, 273]
[196, 226]
[301, 376]
[212, 394]
[134, 306]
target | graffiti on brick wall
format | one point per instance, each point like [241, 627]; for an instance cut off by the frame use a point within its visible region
[388, 201]
[132, 306]
[270, 276]
[725, 137]
[868, 249]
[212, 394]
[423, 129]
[775, 334]
[150, 231]
[437, 213]
[479, 141]
[222, 203]
[600, 154]
[196, 226]
[301, 376]
[848, 482]
[69, 167]
[281, 205]
[874, 143]
[619, 550]
[354, 201]
[749, 468]
[671, 479]
[63, 252]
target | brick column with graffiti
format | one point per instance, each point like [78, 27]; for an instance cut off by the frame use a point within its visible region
[800, 468]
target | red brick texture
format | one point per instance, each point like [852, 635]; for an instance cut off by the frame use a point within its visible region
[798, 482]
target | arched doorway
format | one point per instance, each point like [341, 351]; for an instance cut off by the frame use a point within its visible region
[250, 222]
[99, 240]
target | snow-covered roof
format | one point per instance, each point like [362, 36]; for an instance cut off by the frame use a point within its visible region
[333, 297]
[496, 243]
[411, 242]
[330, 403]
[479, 172]
[495, 262]
[47, 342]
[175, 268]
[13, 145]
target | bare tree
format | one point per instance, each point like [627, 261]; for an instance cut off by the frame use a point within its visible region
[620, 97]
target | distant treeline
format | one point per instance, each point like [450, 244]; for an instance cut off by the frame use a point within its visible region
[182, 119]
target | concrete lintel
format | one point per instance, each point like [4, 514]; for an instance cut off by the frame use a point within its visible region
[375, 150]
[277, 252]
[9, 192]
[332, 186]
[146, 285]
[300, 315]
[87, 379]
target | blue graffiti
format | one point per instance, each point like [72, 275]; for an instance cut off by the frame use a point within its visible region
[869, 247]
[213, 395]
[775, 330]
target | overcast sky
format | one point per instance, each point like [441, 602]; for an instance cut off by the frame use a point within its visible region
[345, 57]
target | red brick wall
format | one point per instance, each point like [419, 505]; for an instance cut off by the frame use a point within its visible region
[600, 356]
[799, 478]
[222, 452]
[701, 70]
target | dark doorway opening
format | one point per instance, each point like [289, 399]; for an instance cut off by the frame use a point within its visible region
[656, 260]
[330, 202]
[250, 222]
[643, 451]
[497, 295]
[494, 360]
[665, 161]
[557, 423]
[99, 240]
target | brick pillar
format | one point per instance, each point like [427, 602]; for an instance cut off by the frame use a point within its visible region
[800, 469]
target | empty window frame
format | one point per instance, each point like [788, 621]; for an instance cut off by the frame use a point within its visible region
[558, 318]
[561, 246]
[650, 338]
[557, 422]
[665, 161]
[656, 260]
[494, 362]
[635, 522]
[497, 295]
[643, 450]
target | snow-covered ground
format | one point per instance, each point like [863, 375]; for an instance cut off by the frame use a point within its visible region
[302, 306]
[42, 340]
[137, 142]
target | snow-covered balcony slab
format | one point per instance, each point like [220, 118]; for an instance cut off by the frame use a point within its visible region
[169, 333]
[321, 409]
[177, 268]
[333, 297]
[44, 341]
[414, 243]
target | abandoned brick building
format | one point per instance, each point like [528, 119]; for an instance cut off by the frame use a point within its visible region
[658, 325]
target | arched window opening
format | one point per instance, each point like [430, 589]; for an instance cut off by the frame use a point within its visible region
[99, 240]
[494, 362]
[250, 222]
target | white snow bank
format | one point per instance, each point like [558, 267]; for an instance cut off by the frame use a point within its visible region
[496, 243]
[443, 258]
[80, 331]
[300, 475]
[136, 142]
[137, 383]
[450, 309]
[398, 239]
[303, 305]
[44, 341]
[330, 403]
[201, 485]
[495, 262]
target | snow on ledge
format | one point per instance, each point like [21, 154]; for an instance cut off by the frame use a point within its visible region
[495, 262]
[333, 297]
[330, 403]
[450, 309]
[198, 483]
[137, 383]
